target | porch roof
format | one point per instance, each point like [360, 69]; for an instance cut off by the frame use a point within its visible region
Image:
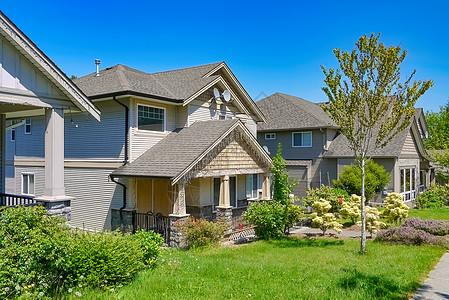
[184, 149]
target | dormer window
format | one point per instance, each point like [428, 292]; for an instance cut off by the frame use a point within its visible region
[150, 118]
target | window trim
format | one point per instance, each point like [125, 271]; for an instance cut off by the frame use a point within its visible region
[252, 182]
[302, 132]
[153, 106]
[271, 136]
[27, 123]
[34, 183]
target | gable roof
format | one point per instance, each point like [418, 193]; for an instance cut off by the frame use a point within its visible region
[45, 65]
[182, 150]
[284, 112]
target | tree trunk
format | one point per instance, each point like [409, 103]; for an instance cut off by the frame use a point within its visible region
[363, 233]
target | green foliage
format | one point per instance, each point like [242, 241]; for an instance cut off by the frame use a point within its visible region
[322, 218]
[395, 209]
[335, 196]
[282, 188]
[351, 209]
[438, 126]
[434, 196]
[272, 218]
[150, 242]
[200, 232]
[350, 179]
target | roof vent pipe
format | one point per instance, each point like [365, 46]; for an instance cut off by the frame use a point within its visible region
[97, 62]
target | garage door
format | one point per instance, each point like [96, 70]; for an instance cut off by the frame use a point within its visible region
[298, 173]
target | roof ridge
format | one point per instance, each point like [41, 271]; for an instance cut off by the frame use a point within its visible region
[122, 78]
[163, 86]
[175, 70]
[311, 114]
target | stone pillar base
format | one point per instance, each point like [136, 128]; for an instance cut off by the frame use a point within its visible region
[224, 214]
[57, 206]
[122, 219]
[176, 238]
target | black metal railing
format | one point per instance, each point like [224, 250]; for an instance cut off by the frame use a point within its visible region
[16, 200]
[155, 222]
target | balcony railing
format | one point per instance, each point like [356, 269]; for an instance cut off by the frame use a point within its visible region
[16, 200]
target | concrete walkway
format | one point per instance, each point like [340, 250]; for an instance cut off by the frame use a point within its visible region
[436, 285]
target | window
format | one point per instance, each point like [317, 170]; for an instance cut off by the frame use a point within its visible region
[27, 126]
[217, 184]
[27, 183]
[233, 191]
[150, 118]
[302, 139]
[408, 183]
[13, 135]
[270, 136]
[252, 191]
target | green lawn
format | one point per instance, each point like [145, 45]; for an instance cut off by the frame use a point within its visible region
[288, 268]
[430, 213]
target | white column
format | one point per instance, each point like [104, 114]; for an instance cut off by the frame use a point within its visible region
[225, 200]
[179, 208]
[266, 193]
[54, 154]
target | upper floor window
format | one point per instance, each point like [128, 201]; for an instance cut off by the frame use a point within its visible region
[302, 139]
[150, 118]
[270, 136]
[27, 126]
[27, 183]
[13, 135]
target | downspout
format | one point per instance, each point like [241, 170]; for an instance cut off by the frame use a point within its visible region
[126, 151]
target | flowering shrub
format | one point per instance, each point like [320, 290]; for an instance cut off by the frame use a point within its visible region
[200, 232]
[435, 227]
[322, 218]
[372, 216]
[395, 209]
[352, 208]
[410, 236]
[335, 196]
[434, 196]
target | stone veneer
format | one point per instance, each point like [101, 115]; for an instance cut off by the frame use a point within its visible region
[122, 218]
[57, 208]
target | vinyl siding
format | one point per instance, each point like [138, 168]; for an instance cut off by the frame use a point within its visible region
[182, 116]
[409, 149]
[2, 152]
[94, 197]
[39, 179]
[206, 191]
[252, 126]
[200, 113]
[29, 146]
[10, 180]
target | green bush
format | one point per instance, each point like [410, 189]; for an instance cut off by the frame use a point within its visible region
[395, 209]
[434, 196]
[350, 179]
[335, 196]
[200, 232]
[272, 218]
[150, 242]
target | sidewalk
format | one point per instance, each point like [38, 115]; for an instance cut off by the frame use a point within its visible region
[436, 285]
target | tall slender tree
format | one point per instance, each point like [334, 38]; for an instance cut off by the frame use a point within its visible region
[368, 101]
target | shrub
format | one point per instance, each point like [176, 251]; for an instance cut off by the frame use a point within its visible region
[335, 196]
[352, 208]
[200, 232]
[321, 218]
[372, 216]
[434, 196]
[435, 227]
[410, 236]
[395, 209]
[150, 243]
[350, 179]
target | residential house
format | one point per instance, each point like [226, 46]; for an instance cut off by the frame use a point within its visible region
[31, 87]
[166, 144]
[316, 152]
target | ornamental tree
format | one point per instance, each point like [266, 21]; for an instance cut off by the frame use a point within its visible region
[395, 209]
[351, 209]
[322, 218]
[368, 101]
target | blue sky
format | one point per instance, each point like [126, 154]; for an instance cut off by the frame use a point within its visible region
[275, 46]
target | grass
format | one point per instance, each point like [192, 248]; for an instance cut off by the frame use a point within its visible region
[288, 268]
[441, 213]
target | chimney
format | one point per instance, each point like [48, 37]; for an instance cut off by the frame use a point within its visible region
[97, 62]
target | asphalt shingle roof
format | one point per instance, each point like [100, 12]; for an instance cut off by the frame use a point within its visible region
[288, 112]
[176, 85]
[177, 151]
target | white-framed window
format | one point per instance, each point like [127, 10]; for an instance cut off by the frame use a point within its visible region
[27, 183]
[13, 135]
[302, 139]
[270, 136]
[150, 118]
[27, 126]
[252, 191]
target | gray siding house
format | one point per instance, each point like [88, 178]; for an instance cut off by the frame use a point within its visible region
[32, 88]
[316, 153]
[166, 144]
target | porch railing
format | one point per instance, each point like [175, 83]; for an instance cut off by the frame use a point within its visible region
[150, 221]
[15, 200]
[409, 196]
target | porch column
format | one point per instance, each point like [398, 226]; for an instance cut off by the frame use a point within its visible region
[224, 210]
[54, 198]
[225, 200]
[179, 208]
[266, 193]
[179, 213]
[2, 153]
